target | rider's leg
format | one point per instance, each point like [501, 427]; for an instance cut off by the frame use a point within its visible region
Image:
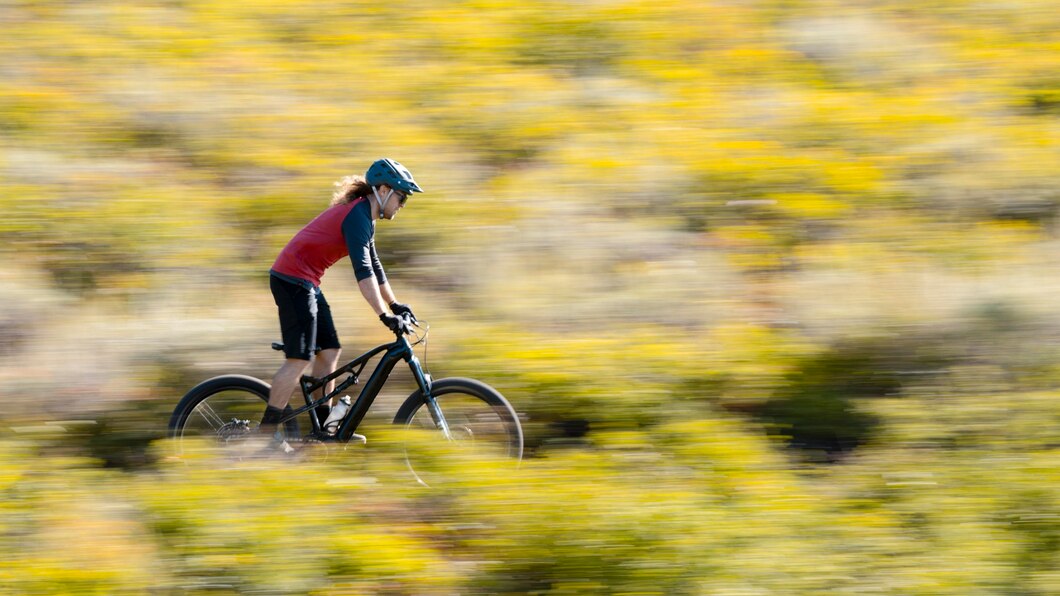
[327, 340]
[297, 306]
[324, 364]
[284, 384]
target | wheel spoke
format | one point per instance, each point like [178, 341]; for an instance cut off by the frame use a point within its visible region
[211, 417]
[221, 410]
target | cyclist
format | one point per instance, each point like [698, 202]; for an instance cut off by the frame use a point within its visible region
[347, 227]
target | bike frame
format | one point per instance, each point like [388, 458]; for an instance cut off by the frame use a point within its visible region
[392, 353]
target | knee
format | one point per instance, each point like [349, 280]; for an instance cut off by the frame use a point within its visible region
[330, 355]
[292, 367]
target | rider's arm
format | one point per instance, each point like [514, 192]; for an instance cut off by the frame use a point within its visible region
[384, 286]
[387, 293]
[370, 291]
[377, 266]
[358, 231]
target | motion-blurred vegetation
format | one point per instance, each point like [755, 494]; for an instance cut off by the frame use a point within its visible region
[773, 281]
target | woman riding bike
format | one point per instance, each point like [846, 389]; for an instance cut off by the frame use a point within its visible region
[347, 227]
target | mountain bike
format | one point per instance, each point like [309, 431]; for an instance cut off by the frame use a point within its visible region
[228, 408]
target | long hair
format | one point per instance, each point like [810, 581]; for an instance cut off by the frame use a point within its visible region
[350, 189]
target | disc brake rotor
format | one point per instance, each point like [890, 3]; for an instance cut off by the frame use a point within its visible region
[234, 430]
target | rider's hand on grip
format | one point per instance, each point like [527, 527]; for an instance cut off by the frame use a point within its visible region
[397, 324]
[402, 309]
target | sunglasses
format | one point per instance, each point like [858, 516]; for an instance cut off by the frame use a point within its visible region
[402, 197]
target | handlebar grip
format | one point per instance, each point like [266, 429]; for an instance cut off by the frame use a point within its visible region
[404, 326]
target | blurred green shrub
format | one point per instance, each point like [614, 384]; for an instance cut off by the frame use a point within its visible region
[817, 407]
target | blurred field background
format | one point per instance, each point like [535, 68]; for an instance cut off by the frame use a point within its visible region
[774, 283]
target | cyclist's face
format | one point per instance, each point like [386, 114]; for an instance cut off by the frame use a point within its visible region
[394, 203]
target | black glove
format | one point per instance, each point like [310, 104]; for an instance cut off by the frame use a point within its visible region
[395, 323]
[402, 309]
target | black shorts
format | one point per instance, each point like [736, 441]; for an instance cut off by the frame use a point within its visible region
[305, 319]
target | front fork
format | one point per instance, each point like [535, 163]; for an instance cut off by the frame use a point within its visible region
[425, 382]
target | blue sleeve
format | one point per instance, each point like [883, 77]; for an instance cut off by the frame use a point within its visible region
[359, 234]
[376, 265]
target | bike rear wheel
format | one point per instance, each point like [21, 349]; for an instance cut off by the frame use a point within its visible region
[226, 409]
[479, 420]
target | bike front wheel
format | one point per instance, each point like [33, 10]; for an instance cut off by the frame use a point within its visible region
[226, 409]
[478, 417]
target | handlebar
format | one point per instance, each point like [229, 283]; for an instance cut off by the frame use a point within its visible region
[410, 325]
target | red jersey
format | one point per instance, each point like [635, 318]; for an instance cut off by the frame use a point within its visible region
[340, 230]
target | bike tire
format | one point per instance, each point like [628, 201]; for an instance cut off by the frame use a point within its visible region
[473, 410]
[236, 396]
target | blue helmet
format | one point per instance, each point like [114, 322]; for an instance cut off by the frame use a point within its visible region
[391, 173]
